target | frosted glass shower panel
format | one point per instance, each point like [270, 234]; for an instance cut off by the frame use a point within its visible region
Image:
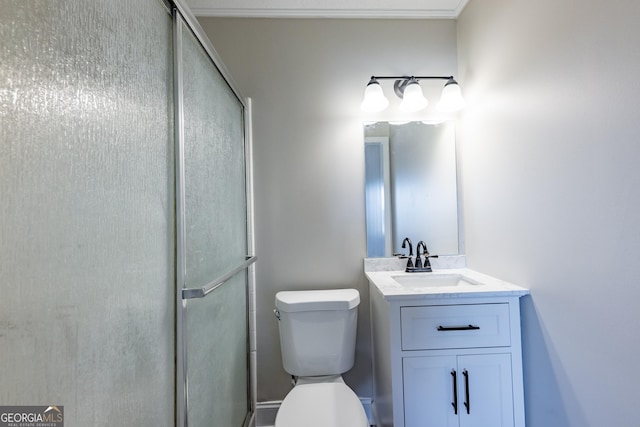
[216, 227]
[217, 356]
[86, 213]
[216, 243]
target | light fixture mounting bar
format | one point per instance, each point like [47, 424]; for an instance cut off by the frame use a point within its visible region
[411, 77]
[401, 82]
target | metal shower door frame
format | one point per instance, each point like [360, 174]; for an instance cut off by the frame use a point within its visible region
[182, 15]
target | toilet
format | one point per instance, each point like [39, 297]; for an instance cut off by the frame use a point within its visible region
[317, 338]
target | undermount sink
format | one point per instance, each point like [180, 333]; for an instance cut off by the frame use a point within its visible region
[430, 280]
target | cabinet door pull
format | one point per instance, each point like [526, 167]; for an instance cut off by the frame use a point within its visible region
[467, 403]
[455, 391]
[458, 328]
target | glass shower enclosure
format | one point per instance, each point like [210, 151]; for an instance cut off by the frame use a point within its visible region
[125, 267]
[212, 232]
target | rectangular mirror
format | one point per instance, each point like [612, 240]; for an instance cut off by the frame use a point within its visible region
[411, 187]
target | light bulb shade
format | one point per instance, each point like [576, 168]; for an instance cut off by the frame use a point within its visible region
[374, 100]
[412, 98]
[451, 99]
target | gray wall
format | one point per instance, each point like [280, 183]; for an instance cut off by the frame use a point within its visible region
[551, 193]
[550, 182]
[307, 78]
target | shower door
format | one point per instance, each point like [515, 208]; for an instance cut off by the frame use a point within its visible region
[213, 340]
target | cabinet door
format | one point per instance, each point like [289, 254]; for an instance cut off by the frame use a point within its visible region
[485, 393]
[429, 391]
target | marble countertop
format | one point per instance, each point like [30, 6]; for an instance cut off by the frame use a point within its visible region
[481, 285]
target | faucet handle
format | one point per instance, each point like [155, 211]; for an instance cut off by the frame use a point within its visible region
[427, 264]
[407, 257]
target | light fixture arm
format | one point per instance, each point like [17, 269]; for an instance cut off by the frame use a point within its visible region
[401, 82]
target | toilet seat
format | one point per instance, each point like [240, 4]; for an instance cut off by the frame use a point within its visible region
[321, 404]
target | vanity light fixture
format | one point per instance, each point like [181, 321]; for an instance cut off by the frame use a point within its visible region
[408, 89]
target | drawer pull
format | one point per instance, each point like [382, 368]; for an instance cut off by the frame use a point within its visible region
[455, 392]
[458, 328]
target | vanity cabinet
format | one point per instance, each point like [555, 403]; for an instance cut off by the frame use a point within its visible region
[466, 391]
[447, 360]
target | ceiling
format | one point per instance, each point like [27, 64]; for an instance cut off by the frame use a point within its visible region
[420, 9]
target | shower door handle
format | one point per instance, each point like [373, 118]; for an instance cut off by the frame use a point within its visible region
[205, 290]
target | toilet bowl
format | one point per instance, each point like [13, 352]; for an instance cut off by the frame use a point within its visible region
[317, 339]
[326, 403]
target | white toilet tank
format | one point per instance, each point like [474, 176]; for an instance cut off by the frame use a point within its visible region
[317, 330]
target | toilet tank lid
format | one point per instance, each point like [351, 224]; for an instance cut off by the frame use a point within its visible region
[326, 299]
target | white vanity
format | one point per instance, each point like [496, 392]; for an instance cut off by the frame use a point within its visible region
[446, 349]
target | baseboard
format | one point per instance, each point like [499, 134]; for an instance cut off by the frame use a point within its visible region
[366, 404]
[266, 411]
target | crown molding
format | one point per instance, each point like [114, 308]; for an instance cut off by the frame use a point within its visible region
[293, 12]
